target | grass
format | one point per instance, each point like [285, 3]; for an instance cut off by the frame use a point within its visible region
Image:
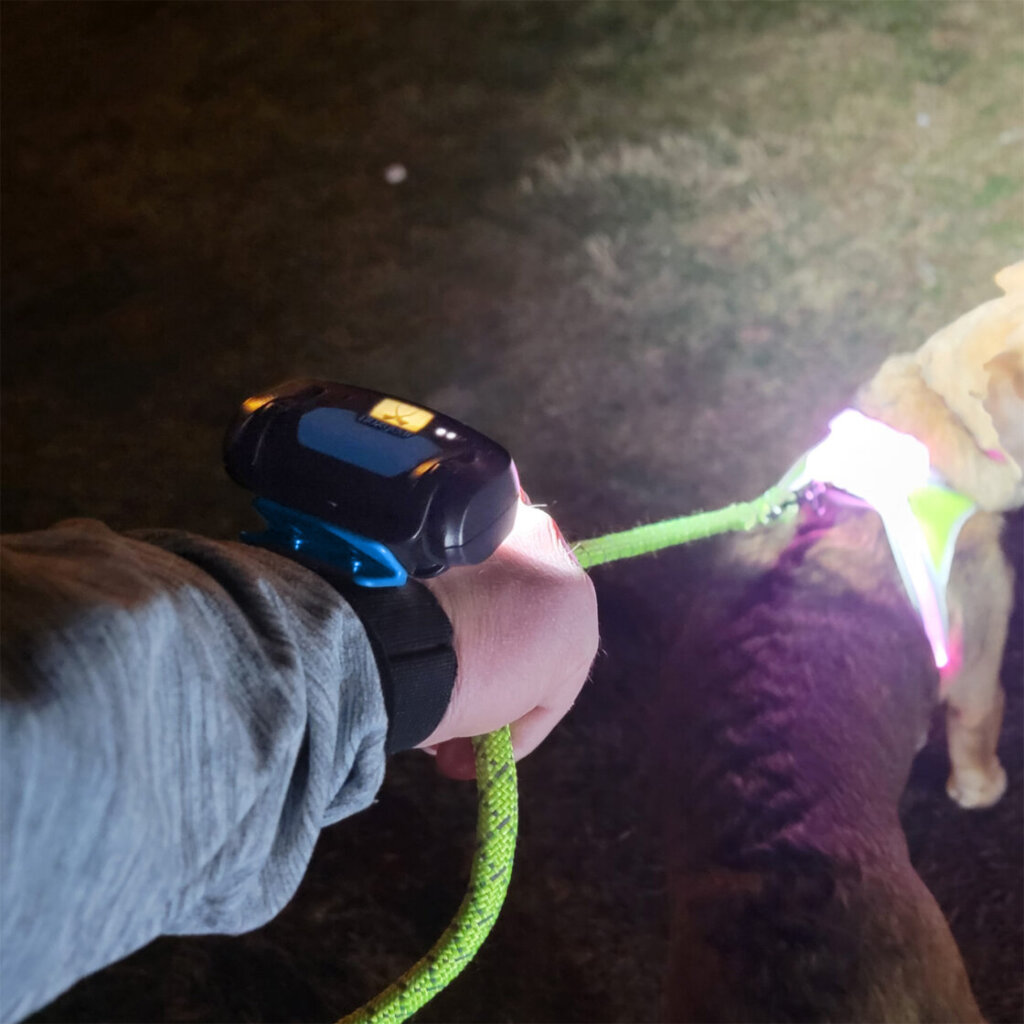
[797, 170]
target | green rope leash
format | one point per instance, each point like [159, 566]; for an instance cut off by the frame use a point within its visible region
[497, 817]
[496, 824]
[642, 540]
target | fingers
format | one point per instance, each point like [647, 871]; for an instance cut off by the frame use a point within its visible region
[525, 626]
[532, 729]
[457, 759]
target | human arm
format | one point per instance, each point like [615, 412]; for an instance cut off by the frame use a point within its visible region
[181, 716]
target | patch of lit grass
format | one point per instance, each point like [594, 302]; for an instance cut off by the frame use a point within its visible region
[767, 199]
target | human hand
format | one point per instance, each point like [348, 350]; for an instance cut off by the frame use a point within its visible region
[525, 625]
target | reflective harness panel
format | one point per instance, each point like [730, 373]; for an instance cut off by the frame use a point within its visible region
[891, 472]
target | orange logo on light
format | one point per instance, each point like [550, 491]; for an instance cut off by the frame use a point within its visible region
[398, 414]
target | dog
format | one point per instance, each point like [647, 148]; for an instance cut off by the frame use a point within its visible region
[797, 697]
[962, 394]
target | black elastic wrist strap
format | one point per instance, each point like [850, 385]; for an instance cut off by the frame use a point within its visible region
[411, 639]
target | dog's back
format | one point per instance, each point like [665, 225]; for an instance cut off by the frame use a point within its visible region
[793, 708]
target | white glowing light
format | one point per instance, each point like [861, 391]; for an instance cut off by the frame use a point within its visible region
[869, 459]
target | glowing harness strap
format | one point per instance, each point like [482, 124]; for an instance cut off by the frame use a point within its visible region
[892, 472]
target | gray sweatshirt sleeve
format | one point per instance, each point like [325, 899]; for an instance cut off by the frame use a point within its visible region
[179, 718]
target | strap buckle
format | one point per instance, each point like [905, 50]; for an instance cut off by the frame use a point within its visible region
[367, 562]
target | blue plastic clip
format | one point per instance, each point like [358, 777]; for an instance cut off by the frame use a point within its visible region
[368, 562]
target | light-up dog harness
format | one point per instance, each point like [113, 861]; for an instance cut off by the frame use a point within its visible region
[892, 473]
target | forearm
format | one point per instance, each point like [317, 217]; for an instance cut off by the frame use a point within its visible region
[180, 717]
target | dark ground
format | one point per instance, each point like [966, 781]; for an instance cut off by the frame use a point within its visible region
[650, 247]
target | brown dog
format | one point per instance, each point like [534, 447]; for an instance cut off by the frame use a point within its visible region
[795, 703]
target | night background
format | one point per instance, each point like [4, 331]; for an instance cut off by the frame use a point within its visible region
[650, 247]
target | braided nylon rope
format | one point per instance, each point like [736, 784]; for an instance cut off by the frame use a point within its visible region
[496, 772]
[496, 824]
[642, 540]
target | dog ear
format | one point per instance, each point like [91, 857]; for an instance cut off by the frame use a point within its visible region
[1004, 401]
[1004, 398]
[1011, 278]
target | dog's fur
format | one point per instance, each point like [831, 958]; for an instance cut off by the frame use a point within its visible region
[795, 703]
